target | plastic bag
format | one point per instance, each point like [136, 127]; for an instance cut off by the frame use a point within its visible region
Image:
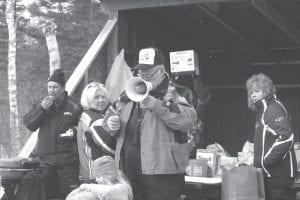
[216, 147]
[246, 156]
[248, 147]
[240, 183]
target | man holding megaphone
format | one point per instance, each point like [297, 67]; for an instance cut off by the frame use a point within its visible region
[150, 126]
[137, 89]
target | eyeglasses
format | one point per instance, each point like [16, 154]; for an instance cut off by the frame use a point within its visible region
[147, 75]
[94, 84]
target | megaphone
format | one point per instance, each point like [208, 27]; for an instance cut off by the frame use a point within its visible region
[137, 89]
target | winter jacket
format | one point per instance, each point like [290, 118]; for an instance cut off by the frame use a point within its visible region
[163, 135]
[94, 143]
[274, 139]
[52, 148]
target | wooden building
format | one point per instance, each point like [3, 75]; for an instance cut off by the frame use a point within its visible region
[234, 39]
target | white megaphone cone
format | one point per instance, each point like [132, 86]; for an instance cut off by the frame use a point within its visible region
[137, 89]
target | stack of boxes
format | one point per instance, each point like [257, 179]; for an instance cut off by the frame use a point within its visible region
[208, 163]
[198, 168]
[212, 158]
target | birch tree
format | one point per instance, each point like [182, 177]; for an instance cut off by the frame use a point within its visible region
[36, 21]
[15, 138]
[47, 27]
[49, 31]
[36, 14]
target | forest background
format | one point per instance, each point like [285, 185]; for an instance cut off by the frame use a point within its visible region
[77, 22]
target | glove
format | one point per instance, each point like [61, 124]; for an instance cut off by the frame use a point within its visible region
[148, 103]
[113, 123]
[68, 134]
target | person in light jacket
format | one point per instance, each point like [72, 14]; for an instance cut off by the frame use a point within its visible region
[109, 183]
[93, 141]
[273, 138]
[151, 135]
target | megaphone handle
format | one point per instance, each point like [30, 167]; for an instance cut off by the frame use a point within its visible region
[139, 108]
[140, 111]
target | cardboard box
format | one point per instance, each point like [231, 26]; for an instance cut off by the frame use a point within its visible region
[198, 168]
[184, 62]
[228, 161]
[213, 160]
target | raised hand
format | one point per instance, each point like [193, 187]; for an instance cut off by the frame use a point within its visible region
[47, 102]
[113, 123]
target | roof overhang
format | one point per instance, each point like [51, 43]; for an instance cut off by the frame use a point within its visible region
[262, 31]
[114, 5]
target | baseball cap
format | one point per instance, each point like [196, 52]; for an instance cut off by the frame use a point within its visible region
[149, 57]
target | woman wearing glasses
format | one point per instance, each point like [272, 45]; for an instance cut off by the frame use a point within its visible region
[93, 140]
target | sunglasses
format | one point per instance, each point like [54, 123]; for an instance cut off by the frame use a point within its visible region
[93, 84]
[147, 75]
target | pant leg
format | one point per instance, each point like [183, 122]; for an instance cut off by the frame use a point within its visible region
[279, 188]
[132, 170]
[150, 187]
[68, 179]
[163, 187]
[49, 182]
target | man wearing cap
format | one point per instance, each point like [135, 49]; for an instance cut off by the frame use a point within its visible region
[56, 117]
[151, 135]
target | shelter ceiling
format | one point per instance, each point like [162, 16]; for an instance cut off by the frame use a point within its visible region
[260, 31]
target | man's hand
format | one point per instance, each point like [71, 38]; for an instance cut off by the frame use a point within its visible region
[148, 102]
[47, 102]
[113, 123]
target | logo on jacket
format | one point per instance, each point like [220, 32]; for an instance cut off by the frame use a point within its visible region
[256, 125]
[68, 113]
[279, 119]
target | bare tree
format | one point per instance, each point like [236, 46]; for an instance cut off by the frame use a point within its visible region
[15, 138]
[53, 50]
[37, 19]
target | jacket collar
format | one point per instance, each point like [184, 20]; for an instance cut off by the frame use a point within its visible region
[60, 101]
[266, 100]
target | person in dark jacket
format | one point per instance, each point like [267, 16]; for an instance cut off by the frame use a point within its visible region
[56, 117]
[152, 148]
[273, 139]
[93, 140]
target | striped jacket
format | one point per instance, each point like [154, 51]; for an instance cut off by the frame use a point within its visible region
[94, 143]
[274, 139]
